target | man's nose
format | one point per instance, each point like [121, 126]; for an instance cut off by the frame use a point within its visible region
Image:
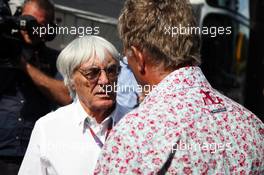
[103, 79]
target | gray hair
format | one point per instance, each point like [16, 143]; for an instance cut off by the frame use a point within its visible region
[79, 51]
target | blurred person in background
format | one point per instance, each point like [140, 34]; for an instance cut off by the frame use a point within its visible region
[128, 93]
[30, 88]
[183, 126]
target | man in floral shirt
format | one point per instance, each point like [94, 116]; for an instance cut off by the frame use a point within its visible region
[183, 126]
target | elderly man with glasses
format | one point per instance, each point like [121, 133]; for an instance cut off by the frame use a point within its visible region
[69, 140]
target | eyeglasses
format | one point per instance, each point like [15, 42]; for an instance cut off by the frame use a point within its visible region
[94, 73]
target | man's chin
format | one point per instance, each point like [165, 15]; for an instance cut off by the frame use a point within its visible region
[104, 103]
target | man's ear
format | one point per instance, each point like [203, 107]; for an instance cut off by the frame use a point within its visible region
[140, 59]
[72, 85]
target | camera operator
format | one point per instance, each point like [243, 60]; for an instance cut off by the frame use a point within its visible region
[33, 88]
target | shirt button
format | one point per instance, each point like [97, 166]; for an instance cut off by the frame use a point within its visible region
[17, 137]
[19, 119]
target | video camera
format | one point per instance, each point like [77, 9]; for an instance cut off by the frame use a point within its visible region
[10, 37]
[11, 42]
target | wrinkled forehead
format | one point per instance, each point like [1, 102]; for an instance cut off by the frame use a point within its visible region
[95, 61]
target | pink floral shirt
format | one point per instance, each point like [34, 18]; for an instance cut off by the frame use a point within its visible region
[184, 126]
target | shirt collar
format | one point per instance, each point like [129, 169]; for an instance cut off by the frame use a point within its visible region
[84, 120]
[185, 77]
[80, 114]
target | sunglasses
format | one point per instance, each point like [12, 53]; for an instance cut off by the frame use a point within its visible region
[93, 74]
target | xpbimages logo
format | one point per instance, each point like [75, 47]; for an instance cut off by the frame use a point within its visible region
[191, 30]
[108, 89]
[60, 30]
[203, 147]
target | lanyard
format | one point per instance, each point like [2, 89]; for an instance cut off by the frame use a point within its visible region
[97, 139]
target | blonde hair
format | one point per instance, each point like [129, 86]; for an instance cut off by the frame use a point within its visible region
[142, 24]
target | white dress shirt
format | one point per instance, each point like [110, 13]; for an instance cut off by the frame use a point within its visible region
[61, 142]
